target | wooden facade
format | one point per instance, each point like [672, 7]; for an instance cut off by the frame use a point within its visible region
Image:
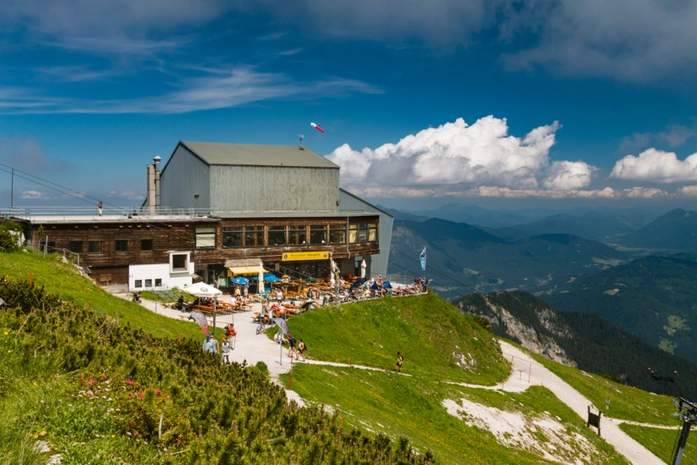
[108, 246]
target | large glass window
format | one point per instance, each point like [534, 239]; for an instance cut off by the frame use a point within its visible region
[146, 244]
[337, 234]
[254, 236]
[205, 238]
[297, 235]
[353, 233]
[372, 232]
[277, 235]
[318, 234]
[232, 237]
[94, 246]
[363, 233]
[121, 245]
[75, 246]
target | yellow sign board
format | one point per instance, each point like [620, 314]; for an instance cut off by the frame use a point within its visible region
[297, 256]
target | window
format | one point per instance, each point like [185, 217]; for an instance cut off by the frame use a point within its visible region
[121, 245]
[179, 262]
[363, 233]
[148, 283]
[297, 235]
[353, 233]
[158, 282]
[146, 244]
[277, 235]
[205, 238]
[75, 246]
[232, 237]
[139, 283]
[318, 234]
[94, 246]
[337, 234]
[372, 232]
[254, 236]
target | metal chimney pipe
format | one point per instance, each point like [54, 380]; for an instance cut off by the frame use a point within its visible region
[157, 160]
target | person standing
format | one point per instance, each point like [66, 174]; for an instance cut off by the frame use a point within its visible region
[226, 351]
[301, 349]
[231, 334]
[210, 344]
[292, 350]
[100, 207]
[400, 362]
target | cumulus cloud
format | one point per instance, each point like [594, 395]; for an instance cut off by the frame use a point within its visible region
[454, 153]
[656, 166]
[568, 175]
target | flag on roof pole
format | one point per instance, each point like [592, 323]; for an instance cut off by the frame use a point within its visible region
[423, 259]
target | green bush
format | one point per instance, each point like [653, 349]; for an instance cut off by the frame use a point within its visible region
[9, 235]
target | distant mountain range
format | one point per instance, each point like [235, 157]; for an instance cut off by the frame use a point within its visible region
[653, 297]
[594, 226]
[462, 258]
[583, 340]
[676, 230]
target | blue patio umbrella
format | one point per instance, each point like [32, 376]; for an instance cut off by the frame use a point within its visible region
[240, 280]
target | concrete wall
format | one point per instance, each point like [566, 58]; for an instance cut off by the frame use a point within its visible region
[183, 178]
[158, 271]
[273, 189]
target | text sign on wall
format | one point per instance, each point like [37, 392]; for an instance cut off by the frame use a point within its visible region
[296, 256]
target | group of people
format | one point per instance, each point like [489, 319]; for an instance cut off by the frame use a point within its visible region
[296, 348]
[211, 345]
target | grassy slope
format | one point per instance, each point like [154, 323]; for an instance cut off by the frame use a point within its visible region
[411, 406]
[60, 278]
[427, 330]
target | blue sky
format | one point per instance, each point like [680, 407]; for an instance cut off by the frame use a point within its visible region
[423, 103]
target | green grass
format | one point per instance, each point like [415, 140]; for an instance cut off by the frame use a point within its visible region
[168, 296]
[661, 442]
[61, 279]
[626, 402]
[400, 405]
[436, 340]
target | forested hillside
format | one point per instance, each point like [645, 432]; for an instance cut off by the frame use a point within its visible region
[584, 340]
[653, 297]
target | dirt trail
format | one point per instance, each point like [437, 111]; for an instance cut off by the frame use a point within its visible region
[252, 348]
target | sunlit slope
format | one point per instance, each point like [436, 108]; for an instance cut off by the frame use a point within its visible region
[434, 337]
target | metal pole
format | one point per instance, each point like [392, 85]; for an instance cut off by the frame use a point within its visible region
[682, 442]
[12, 191]
[215, 301]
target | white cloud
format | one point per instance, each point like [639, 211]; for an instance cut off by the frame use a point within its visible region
[606, 193]
[35, 195]
[214, 88]
[626, 39]
[656, 166]
[130, 195]
[568, 175]
[454, 153]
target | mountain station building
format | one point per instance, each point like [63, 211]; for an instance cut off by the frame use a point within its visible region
[217, 211]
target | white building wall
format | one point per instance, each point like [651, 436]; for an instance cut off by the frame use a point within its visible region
[156, 271]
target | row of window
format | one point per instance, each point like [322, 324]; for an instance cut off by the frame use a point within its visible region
[279, 236]
[148, 283]
[257, 236]
[96, 246]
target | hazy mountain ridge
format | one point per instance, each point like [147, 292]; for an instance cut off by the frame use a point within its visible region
[676, 230]
[477, 260]
[583, 340]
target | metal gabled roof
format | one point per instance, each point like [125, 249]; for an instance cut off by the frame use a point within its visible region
[214, 153]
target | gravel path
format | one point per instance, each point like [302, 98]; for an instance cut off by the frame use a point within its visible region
[252, 348]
